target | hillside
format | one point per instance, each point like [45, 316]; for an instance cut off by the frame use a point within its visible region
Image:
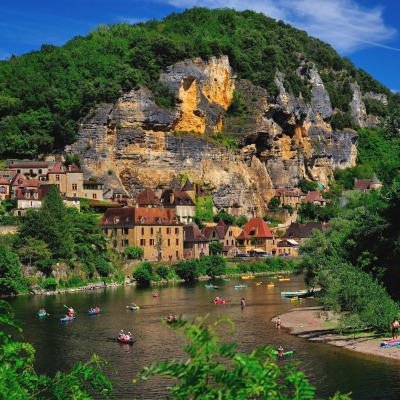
[235, 100]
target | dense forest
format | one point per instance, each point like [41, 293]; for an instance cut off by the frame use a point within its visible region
[44, 94]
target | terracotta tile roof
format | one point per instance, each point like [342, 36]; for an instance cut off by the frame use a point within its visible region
[130, 216]
[147, 197]
[58, 168]
[192, 234]
[28, 165]
[301, 231]
[73, 168]
[362, 184]
[313, 196]
[257, 227]
[172, 197]
[296, 192]
[30, 183]
[243, 236]
[16, 178]
[212, 233]
[4, 181]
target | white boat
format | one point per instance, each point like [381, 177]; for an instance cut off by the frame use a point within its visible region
[301, 293]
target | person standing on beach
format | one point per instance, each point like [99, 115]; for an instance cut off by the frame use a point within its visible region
[278, 323]
[395, 328]
[242, 303]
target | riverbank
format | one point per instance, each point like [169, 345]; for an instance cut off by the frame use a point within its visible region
[315, 325]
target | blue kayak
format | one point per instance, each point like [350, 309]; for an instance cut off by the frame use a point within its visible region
[66, 319]
[41, 315]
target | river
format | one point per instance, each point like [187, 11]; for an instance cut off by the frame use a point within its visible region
[60, 345]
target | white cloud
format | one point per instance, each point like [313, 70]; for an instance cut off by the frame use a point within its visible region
[342, 23]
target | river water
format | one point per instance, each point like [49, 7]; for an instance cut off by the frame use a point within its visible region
[60, 345]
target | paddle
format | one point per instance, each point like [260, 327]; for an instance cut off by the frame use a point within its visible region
[75, 312]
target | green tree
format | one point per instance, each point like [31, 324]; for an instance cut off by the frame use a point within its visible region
[32, 249]
[215, 247]
[11, 279]
[274, 203]
[51, 225]
[226, 217]
[134, 252]
[143, 274]
[188, 270]
[215, 370]
[241, 221]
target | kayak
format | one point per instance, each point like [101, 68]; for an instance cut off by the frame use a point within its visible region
[66, 319]
[41, 315]
[126, 340]
[241, 286]
[223, 301]
[248, 276]
[94, 311]
[270, 285]
[390, 343]
[285, 353]
[211, 287]
[133, 308]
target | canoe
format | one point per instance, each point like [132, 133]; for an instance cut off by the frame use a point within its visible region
[270, 285]
[41, 315]
[284, 279]
[125, 340]
[241, 286]
[211, 287]
[67, 319]
[285, 353]
[133, 308]
[223, 301]
[301, 293]
[258, 283]
[248, 276]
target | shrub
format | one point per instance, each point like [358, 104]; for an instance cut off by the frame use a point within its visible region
[50, 284]
[162, 271]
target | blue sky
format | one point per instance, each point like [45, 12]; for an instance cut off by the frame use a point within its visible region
[366, 31]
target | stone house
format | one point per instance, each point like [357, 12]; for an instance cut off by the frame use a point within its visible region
[4, 188]
[288, 247]
[155, 229]
[365, 185]
[300, 232]
[261, 238]
[224, 234]
[181, 203]
[314, 198]
[291, 197]
[195, 245]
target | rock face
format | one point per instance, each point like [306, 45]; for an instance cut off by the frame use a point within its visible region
[135, 143]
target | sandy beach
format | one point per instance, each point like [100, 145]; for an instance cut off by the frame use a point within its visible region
[312, 323]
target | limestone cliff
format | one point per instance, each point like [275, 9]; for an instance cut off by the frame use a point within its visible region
[135, 143]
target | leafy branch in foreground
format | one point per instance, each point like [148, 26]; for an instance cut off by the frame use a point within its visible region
[18, 379]
[215, 370]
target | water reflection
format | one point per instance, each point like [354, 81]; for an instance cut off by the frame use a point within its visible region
[59, 346]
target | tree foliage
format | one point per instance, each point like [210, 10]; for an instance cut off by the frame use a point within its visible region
[44, 94]
[11, 279]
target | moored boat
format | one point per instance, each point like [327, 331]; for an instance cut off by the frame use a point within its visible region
[248, 276]
[301, 293]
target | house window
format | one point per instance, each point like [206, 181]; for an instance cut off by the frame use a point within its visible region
[105, 231]
[169, 242]
[176, 231]
[151, 242]
[126, 242]
[40, 171]
[151, 231]
[177, 242]
[74, 186]
[125, 231]
[57, 177]
[94, 195]
[2, 189]
[27, 195]
[143, 242]
[168, 231]
[233, 242]
[58, 186]
[115, 244]
[35, 195]
[230, 233]
[142, 231]
[177, 254]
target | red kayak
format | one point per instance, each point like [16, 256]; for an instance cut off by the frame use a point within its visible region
[126, 339]
[221, 301]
